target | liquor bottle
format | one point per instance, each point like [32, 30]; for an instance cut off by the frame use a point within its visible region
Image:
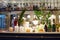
[35, 21]
[49, 26]
[40, 27]
[45, 28]
[15, 21]
[16, 28]
[53, 26]
[21, 29]
[12, 22]
[59, 29]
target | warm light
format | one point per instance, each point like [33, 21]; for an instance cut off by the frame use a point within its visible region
[35, 22]
[28, 16]
[59, 18]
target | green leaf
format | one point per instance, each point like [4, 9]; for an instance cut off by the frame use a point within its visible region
[38, 13]
[20, 18]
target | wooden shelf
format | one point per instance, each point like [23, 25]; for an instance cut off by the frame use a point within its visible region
[33, 10]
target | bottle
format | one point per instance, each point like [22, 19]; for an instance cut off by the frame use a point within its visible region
[16, 28]
[45, 28]
[21, 29]
[10, 29]
[49, 26]
[41, 27]
[53, 26]
[35, 21]
[15, 21]
[59, 29]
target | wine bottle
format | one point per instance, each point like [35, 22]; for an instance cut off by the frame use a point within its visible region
[49, 26]
[45, 28]
[53, 26]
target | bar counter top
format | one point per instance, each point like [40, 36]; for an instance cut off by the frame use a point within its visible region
[31, 32]
[30, 35]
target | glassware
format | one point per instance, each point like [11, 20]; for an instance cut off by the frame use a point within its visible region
[10, 29]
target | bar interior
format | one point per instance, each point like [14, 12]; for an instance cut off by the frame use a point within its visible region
[30, 16]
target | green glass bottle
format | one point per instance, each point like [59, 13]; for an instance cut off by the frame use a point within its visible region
[53, 26]
[49, 26]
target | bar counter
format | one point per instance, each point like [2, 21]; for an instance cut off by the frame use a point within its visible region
[30, 35]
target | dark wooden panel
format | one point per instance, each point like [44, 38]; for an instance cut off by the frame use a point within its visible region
[29, 35]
